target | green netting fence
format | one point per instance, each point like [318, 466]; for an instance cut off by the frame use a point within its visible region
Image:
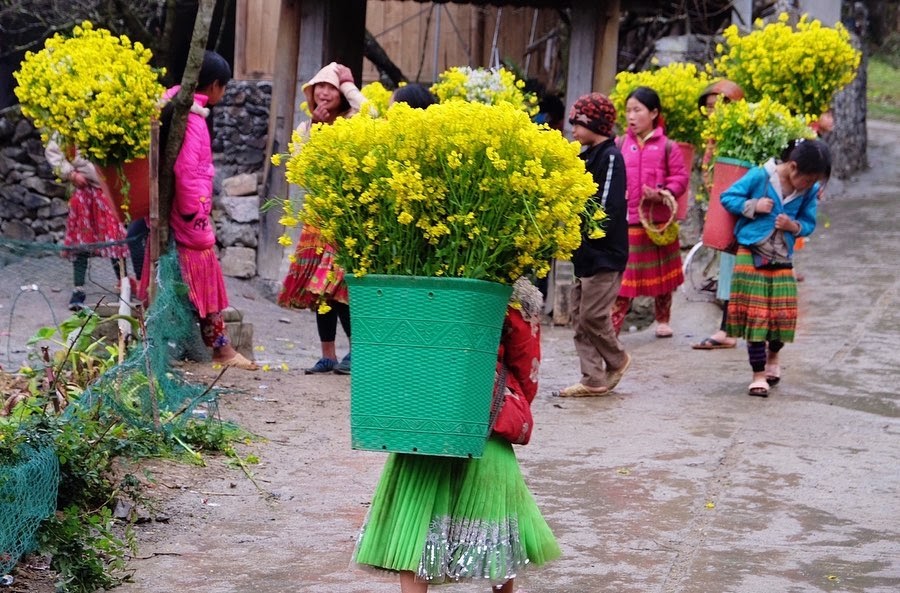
[27, 497]
[143, 390]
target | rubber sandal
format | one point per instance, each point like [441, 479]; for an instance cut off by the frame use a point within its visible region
[713, 344]
[773, 374]
[759, 389]
[580, 390]
[613, 377]
[664, 331]
[323, 365]
[239, 361]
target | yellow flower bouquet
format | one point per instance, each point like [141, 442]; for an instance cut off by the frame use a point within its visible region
[679, 86]
[96, 91]
[481, 85]
[378, 97]
[754, 132]
[460, 189]
[802, 67]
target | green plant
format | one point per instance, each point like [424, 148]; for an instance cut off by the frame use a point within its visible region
[87, 552]
[883, 89]
[754, 132]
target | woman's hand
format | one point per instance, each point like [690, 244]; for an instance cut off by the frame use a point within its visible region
[764, 205]
[783, 222]
[78, 180]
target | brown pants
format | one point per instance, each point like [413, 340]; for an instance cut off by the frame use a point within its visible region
[598, 348]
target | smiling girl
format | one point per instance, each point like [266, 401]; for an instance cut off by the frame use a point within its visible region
[314, 279]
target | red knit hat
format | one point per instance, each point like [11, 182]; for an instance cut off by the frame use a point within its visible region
[595, 112]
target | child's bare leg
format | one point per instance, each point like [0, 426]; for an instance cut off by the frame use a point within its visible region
[506, 587]
[409, 584]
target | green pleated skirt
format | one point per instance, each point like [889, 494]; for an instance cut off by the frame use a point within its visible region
[448, 519]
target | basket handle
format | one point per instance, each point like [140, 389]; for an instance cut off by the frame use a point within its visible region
[668, 201]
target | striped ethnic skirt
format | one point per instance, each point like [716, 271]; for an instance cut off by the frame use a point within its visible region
[763, 303]
[92, 227]
[449, 519]
[313, 275]
[652, 270]
[201, 271]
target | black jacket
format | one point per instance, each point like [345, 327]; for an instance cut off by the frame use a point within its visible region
[610, 253]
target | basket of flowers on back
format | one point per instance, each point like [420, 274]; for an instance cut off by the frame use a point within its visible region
[435, 213]
[96, 93]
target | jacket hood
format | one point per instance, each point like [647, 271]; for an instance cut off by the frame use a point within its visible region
[327, 74]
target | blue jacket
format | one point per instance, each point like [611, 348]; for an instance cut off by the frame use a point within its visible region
[755, 184]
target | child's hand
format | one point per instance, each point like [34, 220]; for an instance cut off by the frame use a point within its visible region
[651, 194]
[344, 74]
[764, 205]
[783, 222]
[320, 114]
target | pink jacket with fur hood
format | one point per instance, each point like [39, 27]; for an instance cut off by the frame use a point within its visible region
[190, 219]
[649, 166]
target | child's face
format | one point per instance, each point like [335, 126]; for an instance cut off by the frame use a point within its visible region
[216, 92]
[639, 118]
[801, 181]
[327, 97]
[584, 136]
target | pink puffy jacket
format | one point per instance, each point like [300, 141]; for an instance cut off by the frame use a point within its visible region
[190, 219]
[649, 166]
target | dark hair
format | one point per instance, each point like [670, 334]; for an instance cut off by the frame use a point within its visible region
[553, 107]
[813, 157]
[649, 99]
[414, 95]
[215, 68]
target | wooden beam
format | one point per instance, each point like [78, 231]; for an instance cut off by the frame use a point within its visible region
[582, 43]
[269, 253]
[606, 47]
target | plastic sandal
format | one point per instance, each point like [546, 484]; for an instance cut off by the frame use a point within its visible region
[759, 389]
[323, 365]
[239, 361]
[580, 390]
[613, 377]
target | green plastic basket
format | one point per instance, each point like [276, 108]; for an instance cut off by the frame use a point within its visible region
[424, 356]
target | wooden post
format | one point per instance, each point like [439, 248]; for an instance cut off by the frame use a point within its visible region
[285, 102]
[153, 235]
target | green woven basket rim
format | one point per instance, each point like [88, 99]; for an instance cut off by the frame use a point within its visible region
[730, 161]
[428, 282]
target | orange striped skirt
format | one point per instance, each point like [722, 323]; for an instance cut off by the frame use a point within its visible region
[652, 270]
[763, 304]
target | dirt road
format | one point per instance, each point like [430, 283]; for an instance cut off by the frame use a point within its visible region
[678, 483]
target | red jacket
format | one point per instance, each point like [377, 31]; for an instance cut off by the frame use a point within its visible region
[520, 357]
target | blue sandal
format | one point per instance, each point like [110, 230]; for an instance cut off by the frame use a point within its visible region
[343, 367]
[324, 365]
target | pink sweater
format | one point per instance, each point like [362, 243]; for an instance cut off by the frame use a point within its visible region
[648, 166]
[190, 219]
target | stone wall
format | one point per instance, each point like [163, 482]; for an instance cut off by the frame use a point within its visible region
[33, 204]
